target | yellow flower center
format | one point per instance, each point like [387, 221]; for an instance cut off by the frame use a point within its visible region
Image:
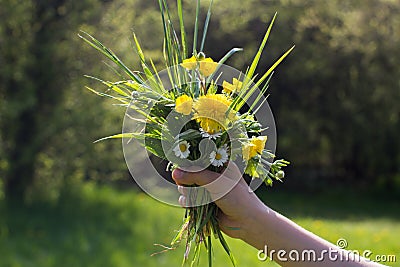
[218, 156]
[211, 112]
[182, 147]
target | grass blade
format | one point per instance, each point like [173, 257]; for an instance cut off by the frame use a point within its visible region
[222, 61]
[182, 28]
[109, 54]
[226, 247]
[124, 101]
[247, 93]
[119, 136]
[167, 52]
[257, 57]
[196, 28]
[209, 251]
[206, 23]
[271, 69]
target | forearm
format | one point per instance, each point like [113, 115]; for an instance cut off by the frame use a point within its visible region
[291, 245]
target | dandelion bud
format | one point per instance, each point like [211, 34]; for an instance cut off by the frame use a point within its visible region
[280, 174]
[201, 56]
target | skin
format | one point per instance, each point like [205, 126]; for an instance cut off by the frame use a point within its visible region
[244, 216]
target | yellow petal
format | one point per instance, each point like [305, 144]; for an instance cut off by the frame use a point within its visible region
[183, 104]
[190, 63]
[237, 84]
[259, 143]
[211, 112]
[207, 66]
[228, 88]
[254, 147]
[246, 152]
[233, 87]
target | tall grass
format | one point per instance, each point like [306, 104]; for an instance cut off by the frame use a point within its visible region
[101, 226]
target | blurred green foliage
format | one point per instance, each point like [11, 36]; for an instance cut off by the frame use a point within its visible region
[100, 226]
[335, 98]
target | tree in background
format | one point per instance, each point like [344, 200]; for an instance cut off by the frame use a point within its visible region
[344, 84]
[337, 105]
[34, 75]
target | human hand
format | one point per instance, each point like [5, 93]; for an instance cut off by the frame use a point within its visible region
[237, 207]
[243, 215]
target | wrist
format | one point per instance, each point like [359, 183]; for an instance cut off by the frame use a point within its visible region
[256, 226]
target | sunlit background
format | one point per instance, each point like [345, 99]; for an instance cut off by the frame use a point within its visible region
[65, 201]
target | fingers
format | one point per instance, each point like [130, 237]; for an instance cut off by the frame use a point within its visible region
[181, 189]
[218, 185]
[203, 177]
[190, 178]
[182, 201]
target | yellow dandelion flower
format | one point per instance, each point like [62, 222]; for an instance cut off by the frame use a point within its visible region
[254, 147]
[183, 104]
[190, 63]
[246, 149]
[233, 87]
[210, 112]
[207, 66]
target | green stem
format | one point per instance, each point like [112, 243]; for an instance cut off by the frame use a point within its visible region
[209, 251]
[196, 28]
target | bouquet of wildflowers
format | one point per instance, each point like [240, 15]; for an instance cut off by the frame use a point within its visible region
[196, 112]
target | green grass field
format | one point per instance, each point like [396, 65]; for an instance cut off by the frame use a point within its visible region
[100, 226]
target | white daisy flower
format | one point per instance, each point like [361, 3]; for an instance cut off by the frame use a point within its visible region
[182, 150]
[219, 157]
[214, 136]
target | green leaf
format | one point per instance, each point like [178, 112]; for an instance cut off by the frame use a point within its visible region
[257, 57]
